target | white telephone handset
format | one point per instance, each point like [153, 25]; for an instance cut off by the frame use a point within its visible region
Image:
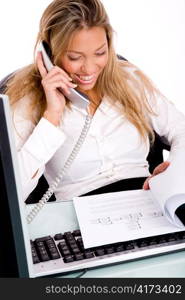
[77, 98]
[81, 101]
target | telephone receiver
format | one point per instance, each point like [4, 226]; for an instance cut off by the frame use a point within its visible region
[79, 99]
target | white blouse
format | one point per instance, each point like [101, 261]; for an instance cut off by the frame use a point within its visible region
[112, 150]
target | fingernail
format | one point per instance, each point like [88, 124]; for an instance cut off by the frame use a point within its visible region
[144, 187]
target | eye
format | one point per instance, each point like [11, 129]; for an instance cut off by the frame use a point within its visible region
[101, 53]
[73, 58]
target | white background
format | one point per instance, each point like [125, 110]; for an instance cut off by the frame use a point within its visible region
[150, 33]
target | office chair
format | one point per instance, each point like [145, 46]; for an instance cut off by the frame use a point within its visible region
[154, 158]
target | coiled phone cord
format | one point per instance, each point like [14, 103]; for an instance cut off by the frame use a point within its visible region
[67, 165]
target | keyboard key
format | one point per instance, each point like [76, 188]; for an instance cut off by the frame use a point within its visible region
[62, 244]
[41, 249]
[40, 244]
[77, 233]
[162, 240]
[119, 248]
[152, 241]
[72, 244]
[99, 252]
[68, 258]
[36, 259]
[44, 256]
[171, 238]
[181, 234]
[50, 243]
[142, 243]
[45, 238]
[79, 240]
[64, 250]
[80, 244]
[58, 236]
[88, 254]
[63, 247]
[109, 250]
[78, 256]
[129, 246]
[52, 250]
[68, 234]
[51, 246]
[70, 238]
[54, 254]
[75, 250]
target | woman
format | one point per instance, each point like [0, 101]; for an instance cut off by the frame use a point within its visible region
[124, 105]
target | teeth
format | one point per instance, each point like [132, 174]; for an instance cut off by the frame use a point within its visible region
[86, 78]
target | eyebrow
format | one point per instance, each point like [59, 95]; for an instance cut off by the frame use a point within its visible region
[78, 52]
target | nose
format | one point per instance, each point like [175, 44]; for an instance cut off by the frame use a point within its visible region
[89, 66]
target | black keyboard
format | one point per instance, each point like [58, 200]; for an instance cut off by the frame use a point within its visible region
[69, 247]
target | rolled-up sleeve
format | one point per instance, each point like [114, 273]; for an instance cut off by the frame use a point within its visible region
[35, 147]
[36, 152]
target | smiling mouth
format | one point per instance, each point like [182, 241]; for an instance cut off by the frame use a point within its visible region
[85, 79]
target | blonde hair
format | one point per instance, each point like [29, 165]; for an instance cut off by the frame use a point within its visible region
[59, 21]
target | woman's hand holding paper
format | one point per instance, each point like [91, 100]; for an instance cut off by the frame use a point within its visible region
[159, 169]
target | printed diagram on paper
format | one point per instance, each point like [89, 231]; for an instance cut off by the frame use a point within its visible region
[132, 221]
[120, 216]
[126, 214]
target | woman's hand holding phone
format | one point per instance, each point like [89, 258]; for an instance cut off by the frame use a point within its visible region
[51, 81]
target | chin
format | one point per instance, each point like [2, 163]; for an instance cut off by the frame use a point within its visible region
[86, 87]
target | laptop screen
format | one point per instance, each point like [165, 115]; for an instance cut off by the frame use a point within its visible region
[13, 258]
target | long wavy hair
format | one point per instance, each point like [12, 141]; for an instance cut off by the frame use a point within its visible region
[60, 20]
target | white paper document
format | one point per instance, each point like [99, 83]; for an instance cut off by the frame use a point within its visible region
[168, 188]
[121, 216]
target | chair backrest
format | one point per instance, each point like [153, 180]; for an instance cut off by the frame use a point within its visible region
[154, 158]
[3, 82]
